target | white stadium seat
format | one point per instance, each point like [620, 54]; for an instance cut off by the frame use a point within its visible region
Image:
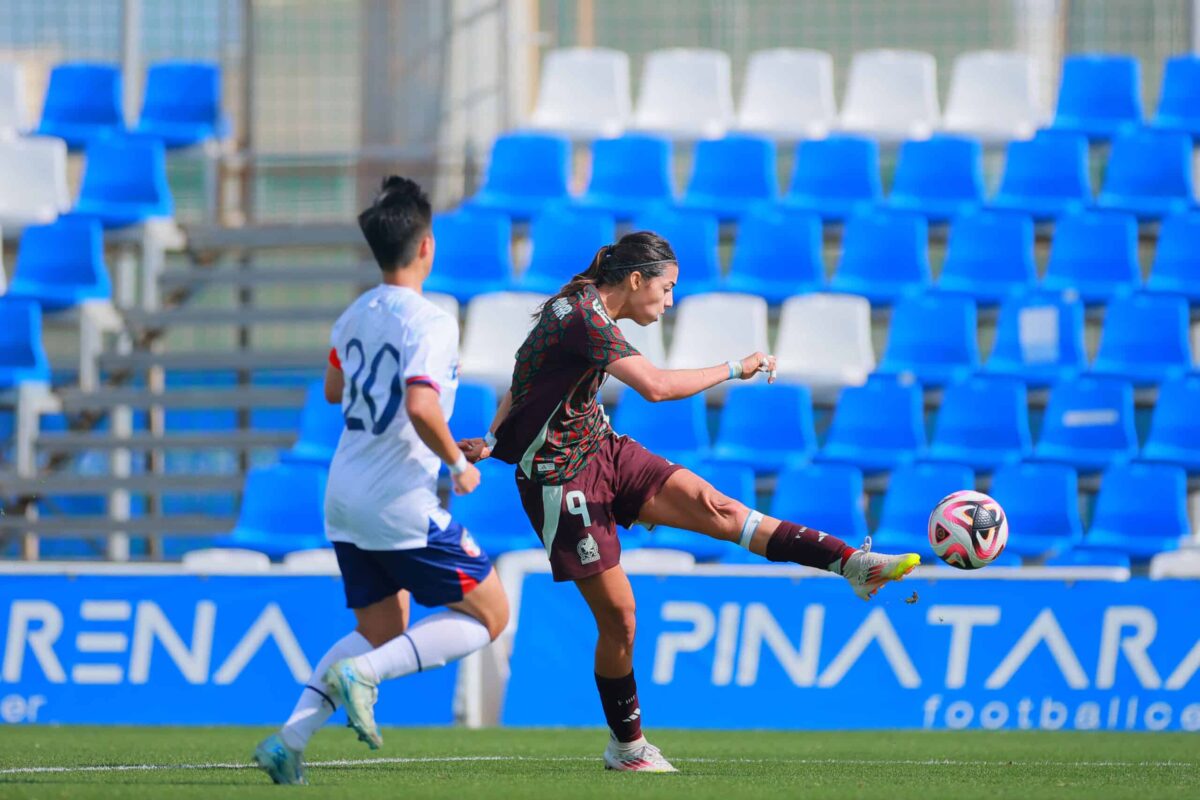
[715, 327]
[994, 95]
[891, 95]
[12, 100]
[825, 343]
[34, 188]
[788, 94]
[317, 561]
[225, 561]
[685, 94]
[584, 93]
[649, 342]
[496, 326]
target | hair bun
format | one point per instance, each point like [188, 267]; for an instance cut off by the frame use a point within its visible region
[395, 190]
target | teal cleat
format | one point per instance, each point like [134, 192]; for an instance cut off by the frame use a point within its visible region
[281, 762]
[351, 689]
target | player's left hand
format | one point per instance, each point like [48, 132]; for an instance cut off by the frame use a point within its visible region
[475, 449]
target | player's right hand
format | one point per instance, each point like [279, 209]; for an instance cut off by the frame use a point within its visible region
[466, 481]
[756, 363]
[474, 449]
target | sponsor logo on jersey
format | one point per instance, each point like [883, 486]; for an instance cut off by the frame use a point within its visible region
[469, 545]
[599, 308]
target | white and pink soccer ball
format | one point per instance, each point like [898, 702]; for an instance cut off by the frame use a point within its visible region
[968, 529]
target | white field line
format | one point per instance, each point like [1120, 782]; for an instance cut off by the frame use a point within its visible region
[347, 762]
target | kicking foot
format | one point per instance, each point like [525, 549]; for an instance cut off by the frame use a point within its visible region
[280, 762]
[868, 571]
[350, 688]
[639, 756]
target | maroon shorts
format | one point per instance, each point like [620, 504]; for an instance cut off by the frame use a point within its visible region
[577, 521]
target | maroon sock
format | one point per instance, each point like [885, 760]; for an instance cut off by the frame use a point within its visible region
[807, 546]
[621, 709]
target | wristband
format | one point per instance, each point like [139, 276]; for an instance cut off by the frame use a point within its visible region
[735, 369]
[460, 466]
[489, 439]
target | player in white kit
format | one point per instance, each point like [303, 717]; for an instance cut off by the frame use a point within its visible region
[394, 369]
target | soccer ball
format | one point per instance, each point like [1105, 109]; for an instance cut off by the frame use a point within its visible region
[968, 530]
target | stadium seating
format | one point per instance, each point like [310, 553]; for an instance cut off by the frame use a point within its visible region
[835, 177]
[993, 95]
[22, 357]
[693, 236]
[1083, 557]
[891, 95]
[224, 561]
[1179, 103]
[1042, 505]
[630, 175]
[1099, 96]
[748, 408]
[283, 509]
[685, 94]
[12, 100]
[1174, 435]
[676, 430]
[564, 240]
[1176, 268]
[495, 327]
[321, 425]
[1046, 176]
[827, 497]
[913, 490]
[777, 254]
[82, 101]
[885, 256]
[583, 93]
[1141, 510]
[526, 172]
[61, 265]
[1149, 174]
[474, 408]
[877, 426]
[1039, 338]
[939, 178]
[1094, 254]
[824, 342]
[1145, 339]
[182, 104]
[34, 191]
[474, 254]
[125, 180]
[732, 480]
[493, 513]
[788, 94]
[731, 175]
[983, 422]
[698, 342]
[1088, 424]
[932, 338]
[989, 257]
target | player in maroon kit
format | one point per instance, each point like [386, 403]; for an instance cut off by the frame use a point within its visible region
[578, 479]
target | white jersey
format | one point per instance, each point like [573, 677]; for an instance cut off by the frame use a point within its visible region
[382, 490]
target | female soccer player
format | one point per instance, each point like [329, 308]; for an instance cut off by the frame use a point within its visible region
[578, 479]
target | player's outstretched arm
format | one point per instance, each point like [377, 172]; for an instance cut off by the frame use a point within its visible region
[657, 385]
[477, 449]
[421, 403]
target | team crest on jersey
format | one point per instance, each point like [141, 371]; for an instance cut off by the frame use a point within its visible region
[588, 550]
[561, 307]
[468, 544]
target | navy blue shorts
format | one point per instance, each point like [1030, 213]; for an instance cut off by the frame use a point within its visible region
[442, 572]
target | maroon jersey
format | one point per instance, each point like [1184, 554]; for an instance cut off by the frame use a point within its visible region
[555, 424]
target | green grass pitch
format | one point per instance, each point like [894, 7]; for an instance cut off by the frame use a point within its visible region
[181, 763]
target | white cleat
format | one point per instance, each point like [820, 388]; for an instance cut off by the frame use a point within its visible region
[350, 688]
[639, 756]
[868, 571]
[282, 763]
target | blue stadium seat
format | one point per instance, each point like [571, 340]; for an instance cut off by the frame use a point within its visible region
[62, 264]
[474, 254]
[1041, 502]
[1141, 510]
[526, 172]
[676, 430]
[564, 241]
[474, 407]
[1179, 103]
[983, 422]
[913, 491]
[732, 175]
[182, 105]
[828, 497]
[939, 178]
[493, 513]
[82, 101]
[630, 175]
[1176, 268]
[321, 424]
[989, 257]
[1094, 253]
[22, 357]
[1149, 174]
[777, 254]
[1085, 557]
[283, 509]
[1175, 426]
[1099, 96]
[885, 256]
[1145, 339]
[836, 177]
[125, 180]
[693, 236]
[932, 337]
[732, 480]
[877, 426]
[1088, 424]
[1045, 176]
[740, 438]
[1039, 338]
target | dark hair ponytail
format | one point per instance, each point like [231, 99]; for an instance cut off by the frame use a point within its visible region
[642, 251]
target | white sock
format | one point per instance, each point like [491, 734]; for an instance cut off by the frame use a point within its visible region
[314, 706]
[435, 641]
